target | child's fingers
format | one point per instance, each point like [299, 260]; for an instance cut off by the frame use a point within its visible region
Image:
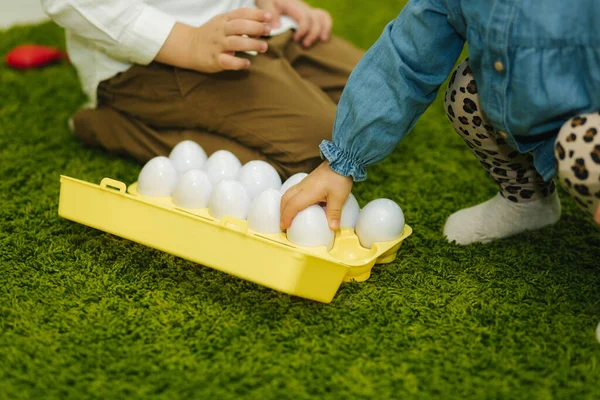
[314, 31]
[303, 28]
[254, 14]
[229, 62]
[238, 43]
[239, 27]
[335, 203]
[326, 23]
[269, 6]
[285, 199]
[301, 200]
[304, 22]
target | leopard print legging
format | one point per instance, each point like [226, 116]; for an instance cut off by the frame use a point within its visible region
[577, 149]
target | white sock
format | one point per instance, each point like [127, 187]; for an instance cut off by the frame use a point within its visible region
[499, 218]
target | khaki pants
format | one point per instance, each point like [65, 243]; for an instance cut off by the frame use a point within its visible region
[277, 111]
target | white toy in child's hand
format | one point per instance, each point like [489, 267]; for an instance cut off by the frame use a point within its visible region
[292, 181]
[157, 178]
[264, 215]
[221, 165]
[187, 155]
[381, 220]
[350, 212]
[311, 229]
[258, 176]
[229, 198]
[250, 52]
[193, 190]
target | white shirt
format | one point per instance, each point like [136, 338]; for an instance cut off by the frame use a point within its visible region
[105, 37]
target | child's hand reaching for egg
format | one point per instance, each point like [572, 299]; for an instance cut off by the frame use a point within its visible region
[322, 185]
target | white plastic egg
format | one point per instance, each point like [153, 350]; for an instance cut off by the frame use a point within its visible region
[292, 181]
[187, 155]
[381, 220]
[311, 229]
[229, 198]
[221, 165]
[193, 190]
[350, 213]
[264, 215]
[157, 178]
[258, 176]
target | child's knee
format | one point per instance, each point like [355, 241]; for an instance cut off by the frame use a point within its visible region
[581, 130]
[106, 128]
[577, 145]
[577, 153]
[462, 99]
[300, 151]
[302, 143]
[83, 125]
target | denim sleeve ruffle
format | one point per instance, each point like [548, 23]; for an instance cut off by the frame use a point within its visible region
[391, 87]
[342, 162]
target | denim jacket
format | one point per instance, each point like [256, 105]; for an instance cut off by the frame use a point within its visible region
[549, 51]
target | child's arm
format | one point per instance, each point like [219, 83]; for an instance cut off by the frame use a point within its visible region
[136, 32]
[391, 87]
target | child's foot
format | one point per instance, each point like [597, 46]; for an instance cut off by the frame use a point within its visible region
[499, 218]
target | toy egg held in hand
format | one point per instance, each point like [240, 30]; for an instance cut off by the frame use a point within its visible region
[310, 228]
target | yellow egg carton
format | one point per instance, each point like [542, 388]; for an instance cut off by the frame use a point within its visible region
[227, 245]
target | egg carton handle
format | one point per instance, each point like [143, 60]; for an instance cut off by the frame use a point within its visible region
[111, 184]
[234, 224]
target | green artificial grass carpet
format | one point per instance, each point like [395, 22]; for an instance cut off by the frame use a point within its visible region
[86, 315]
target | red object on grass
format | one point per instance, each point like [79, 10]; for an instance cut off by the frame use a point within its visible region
[33, 56]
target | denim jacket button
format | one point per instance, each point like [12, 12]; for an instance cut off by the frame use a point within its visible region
[498, 66]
